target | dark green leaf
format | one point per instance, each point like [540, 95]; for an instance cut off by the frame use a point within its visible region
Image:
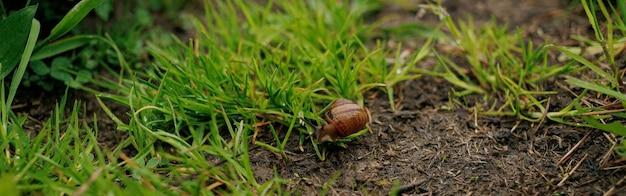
[40, 68]
[61, 63]
[83, 76]
[73, 83]
[104, 10]
[14, 34]
[59, 69]
[73, 17]
[90, 64]
[61, 75]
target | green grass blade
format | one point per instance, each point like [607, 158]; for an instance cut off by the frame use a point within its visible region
[621, 6]
[72, 18]
[596, 87]
[61, 46]
[19, 73]
[613, 127]
[591, 16]
[587, 63]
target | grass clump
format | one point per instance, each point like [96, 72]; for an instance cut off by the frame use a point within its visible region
[65, 157]
[503, 68]
[267, 67]
[514, 75]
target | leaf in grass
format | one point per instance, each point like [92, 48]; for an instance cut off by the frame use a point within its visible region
[61, 46]
[59, 69]
[40, 68]
[586, 63]
[83, 76]
[596, 87]
[104, 10]
[14, 33]
[614, 127]
[73, 17]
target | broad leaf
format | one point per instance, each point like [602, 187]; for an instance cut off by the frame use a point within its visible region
[59, 69]
[83, 76]
[14, 33]
[40, 68]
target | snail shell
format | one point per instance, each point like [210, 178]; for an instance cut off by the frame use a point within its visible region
[344, 118]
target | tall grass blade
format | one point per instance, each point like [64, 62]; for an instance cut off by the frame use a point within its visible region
[72, 18]
[596, 87]
[586, 63]
[19, 73]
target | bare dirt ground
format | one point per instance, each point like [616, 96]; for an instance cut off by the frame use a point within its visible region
[428, 149]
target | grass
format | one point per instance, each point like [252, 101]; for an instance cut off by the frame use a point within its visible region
[282, 65]
[503, 68]
[512, 75]
[64, 156]
[260, 76]
[273, 71]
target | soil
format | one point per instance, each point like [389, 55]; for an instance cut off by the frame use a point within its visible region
[427, 149]
[430, 150]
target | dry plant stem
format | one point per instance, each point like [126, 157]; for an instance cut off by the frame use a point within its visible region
[571, 151]
[607, 156]
[571, 171]
[214, 185]
[615, 187]
[615, 167]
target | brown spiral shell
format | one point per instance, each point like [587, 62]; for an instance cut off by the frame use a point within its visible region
[344, 118]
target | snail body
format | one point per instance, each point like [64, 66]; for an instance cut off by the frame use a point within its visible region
[343, 119]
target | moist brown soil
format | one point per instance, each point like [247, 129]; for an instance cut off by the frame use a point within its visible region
[427, 149]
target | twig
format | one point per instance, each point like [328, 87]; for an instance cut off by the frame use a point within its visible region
[571, 151]
[614, 167]
[615, 187]
[607, 156]
[571, 171]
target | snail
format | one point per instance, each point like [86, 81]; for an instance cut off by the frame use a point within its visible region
[344, 118]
